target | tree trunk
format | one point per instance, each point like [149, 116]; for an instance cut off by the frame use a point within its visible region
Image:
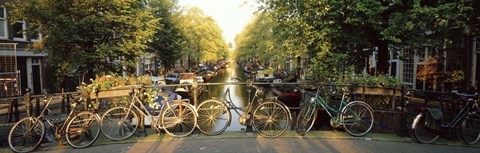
[382, 63]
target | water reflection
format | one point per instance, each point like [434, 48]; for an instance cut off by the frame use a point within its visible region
[238, 92]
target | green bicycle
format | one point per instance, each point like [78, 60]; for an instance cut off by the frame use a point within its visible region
[356, 117]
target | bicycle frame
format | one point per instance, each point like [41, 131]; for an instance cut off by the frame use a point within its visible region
[333, 113]
[143, 110]
[458, 117]
[231, 105]
[59, 131]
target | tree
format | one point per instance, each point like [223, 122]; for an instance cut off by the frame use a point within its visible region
[204, 37]
[88, 36]
[351, 27]
[167, 41]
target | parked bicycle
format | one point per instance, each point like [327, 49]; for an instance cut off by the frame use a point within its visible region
[80, 129]
[430, 122]
[356, 117]
[177, 117]
[268, 116]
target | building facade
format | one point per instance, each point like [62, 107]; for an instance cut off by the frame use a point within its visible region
[462, 55]
[29, 65]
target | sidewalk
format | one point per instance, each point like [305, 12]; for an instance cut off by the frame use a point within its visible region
[154, 137]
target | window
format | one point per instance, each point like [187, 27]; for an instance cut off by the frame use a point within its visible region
[36, 37]
[19, 28]
[3, 23]
[408, 66]
[35, 61]
[421, 55]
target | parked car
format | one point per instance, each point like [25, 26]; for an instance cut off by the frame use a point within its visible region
[172, 78]
[158, 80]
[199, 79]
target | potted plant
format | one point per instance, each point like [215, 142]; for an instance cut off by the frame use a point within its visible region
[378, 85]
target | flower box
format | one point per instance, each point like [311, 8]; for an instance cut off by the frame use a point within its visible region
[114, 92]
[382, 91]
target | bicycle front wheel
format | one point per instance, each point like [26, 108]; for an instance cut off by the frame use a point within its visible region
[470, 130]
[117, 125]
[306, 118]
[213, 117]
[26, 135]
[179, 120]
[271, 119]
[425, 128]
[83, 130]
[357, 118]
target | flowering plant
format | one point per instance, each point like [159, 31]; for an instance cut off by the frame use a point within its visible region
[110, 81]
[378, 81]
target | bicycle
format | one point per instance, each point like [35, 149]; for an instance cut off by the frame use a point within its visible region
[356, 117]
[177, 117]
[268, 116]
[430, 122]
[80, 129]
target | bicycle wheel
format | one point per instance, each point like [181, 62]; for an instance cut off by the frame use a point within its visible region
[116, 125]
[213, 117]
[357, 118]
[306, 118]
[26, 135]
[470, 130]
[271, 119]
[83, 130]
[179, 120]
[425, 128]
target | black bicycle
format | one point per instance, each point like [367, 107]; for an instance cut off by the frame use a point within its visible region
[431, 122]
[268, 116]
[80, 128]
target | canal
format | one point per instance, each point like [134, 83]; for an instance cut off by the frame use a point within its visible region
[238, 92]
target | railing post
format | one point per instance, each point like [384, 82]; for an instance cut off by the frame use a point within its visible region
[10, 112]
[28, 102]
[403, 125]
[45, 103]
[354, 91]
[68, 103]
[62, 104]
[37, 107]
[194, 88]
[16, 113]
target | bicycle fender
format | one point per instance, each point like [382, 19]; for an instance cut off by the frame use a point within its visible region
[415, 120]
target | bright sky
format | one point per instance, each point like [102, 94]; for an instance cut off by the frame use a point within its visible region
[231, 15]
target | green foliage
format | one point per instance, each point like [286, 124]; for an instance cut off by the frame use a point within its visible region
[330, 67]
[266, 41]
[358, 27]
[167, 41]
[204, 40]
[377, 81]
[88, 35]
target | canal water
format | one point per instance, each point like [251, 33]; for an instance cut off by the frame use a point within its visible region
[238, 93]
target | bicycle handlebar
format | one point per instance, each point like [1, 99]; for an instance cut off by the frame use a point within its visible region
[466, 95]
